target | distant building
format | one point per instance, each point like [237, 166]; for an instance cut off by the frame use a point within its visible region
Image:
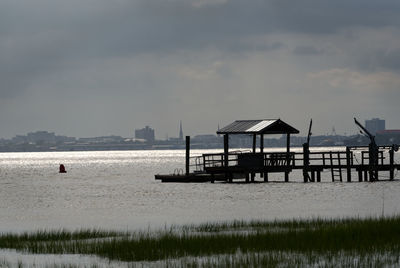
[375, 125]
[146, 133]
[102, 139]
[41, 137]
[388, 136]
[389, 132]
[206, 138]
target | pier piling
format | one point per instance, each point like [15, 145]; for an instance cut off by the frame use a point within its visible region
[348, 164]
[187, 155]
[391, 162]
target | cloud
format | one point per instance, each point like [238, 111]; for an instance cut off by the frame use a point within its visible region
[204, 3]
[306, 50]
[380, 59]
[379, 84]
[165, 58]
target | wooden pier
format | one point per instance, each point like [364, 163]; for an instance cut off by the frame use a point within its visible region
[368, 163]
[340, 164]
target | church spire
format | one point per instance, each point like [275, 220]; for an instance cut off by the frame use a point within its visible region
[180, 131]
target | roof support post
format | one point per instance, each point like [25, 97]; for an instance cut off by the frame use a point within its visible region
[262, 174]
[226, 149]
[254, 143]
[287, 156]
[288, 143]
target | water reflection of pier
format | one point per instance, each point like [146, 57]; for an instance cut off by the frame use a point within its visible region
[245, 165]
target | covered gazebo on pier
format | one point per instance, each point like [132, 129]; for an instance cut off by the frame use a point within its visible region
[255, 162]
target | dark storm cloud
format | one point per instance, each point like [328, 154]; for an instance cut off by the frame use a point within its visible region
[38, 37]
[313, 16]
[138, 26]
[150, 25]
[170, 25]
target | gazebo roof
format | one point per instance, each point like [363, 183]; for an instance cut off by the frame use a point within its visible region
[263, 126]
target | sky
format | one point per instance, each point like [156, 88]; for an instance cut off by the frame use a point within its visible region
[87, 68]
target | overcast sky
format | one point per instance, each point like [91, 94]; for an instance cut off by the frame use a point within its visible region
[99, 67]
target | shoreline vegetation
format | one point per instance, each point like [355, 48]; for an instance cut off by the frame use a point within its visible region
[316, 242]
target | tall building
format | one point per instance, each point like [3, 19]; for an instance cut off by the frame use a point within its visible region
[375, 125]
[180, 131]
[146, 133]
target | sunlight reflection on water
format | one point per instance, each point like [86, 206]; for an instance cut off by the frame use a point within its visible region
[116, 189]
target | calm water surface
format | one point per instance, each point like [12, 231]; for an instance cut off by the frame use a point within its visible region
[116, 189]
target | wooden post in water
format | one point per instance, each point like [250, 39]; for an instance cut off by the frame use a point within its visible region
[340, 167]
[266, 177]
[287, 157]
[332, 172]
[373, 161]
[391, 162]
[348, 164]
[306, 161]
[187, 154]
[226, 148]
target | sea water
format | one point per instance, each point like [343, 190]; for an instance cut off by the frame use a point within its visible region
[117, 190]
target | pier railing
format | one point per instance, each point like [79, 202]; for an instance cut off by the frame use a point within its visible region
[196, 164]
[348, 157]
[248, 159]
[351, 157]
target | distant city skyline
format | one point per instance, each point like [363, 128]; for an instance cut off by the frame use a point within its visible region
[95, 68]
[159, 136]
[148, 133]
[162, 133]
[44, 141]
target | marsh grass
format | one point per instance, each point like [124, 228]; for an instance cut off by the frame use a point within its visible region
[290, 259]
[229, 243]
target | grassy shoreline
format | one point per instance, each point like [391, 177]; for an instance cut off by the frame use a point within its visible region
[238, 241]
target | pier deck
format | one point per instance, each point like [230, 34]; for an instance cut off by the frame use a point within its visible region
[246, 165]
[191, 177]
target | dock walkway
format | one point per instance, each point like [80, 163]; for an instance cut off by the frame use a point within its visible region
[245, 165]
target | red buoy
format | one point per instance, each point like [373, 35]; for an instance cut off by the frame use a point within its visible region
[62, 169]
